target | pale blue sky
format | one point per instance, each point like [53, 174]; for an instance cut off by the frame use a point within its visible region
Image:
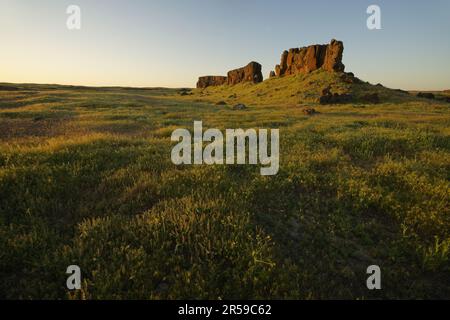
[172, 42]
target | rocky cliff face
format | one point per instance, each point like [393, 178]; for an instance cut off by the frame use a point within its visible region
[249, 73]
[207, 81]
[294, 61]
[308, 59]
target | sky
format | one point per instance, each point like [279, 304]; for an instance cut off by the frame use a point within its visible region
[147, 43]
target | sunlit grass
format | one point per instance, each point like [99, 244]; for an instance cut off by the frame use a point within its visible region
[86, 179]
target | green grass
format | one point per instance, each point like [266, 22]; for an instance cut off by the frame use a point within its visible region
[294, 90]
[86, 178]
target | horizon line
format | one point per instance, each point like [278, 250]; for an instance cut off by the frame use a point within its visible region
[164, 87]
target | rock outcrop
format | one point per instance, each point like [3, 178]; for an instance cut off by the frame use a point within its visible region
[206, 81]
[349, 77]
[249, 73]
[297, 60]
[308, 59]
[328, 97]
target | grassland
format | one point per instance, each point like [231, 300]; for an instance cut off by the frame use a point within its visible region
[86, 179]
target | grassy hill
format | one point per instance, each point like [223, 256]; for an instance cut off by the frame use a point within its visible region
[86, 179]
[297, 89]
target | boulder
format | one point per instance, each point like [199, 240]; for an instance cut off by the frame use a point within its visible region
[326, 91]
[308, 59]
[349, 77]
[309, 111]
[249, 73]
[328, 97]
[272, 74]
[207, 81]
[185, 92]
[240, 106]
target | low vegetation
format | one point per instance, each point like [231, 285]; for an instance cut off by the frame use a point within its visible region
[86, 179]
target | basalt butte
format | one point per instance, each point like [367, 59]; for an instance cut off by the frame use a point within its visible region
[293, 61]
